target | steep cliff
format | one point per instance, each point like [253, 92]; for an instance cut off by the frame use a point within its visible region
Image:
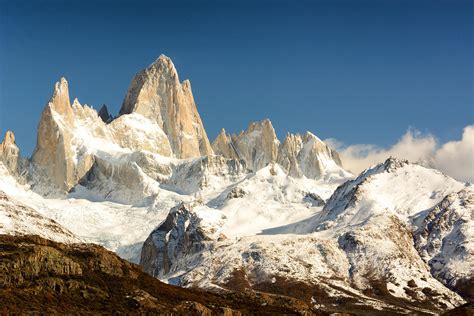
[157, 94]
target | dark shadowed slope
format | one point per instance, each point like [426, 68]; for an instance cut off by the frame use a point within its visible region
[39, 275]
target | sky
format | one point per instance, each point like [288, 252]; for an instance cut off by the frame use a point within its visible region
[357, 72]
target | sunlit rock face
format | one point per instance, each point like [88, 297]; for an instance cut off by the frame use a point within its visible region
[299, 155]
[157, 94]
[306, 155]
[258, 145]
[224, 146]
[53, 152]
[71, 137]
[10, 153]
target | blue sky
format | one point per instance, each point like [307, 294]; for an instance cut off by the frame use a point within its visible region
[357, 71]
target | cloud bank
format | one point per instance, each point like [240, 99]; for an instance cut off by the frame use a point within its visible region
[454, 158]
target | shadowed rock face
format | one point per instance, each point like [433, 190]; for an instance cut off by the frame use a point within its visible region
[41, 276]
[178, 236]
[104, 114]
[157, 94]
[443, 241]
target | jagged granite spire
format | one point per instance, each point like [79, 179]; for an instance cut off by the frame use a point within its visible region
[299, 155]
[10, 153]
[157, 94]
[258, 145]
[224, 146]
[307, 155]
[52, 152]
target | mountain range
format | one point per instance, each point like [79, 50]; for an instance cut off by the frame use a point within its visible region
[246, 213]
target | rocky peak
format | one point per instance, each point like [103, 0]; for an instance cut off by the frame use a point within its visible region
[307, 155]
[445, 238]
[288, 152]
[393, 163]
[347, 194]
[178, 235]
[264, 126]
[104, 114]
[157, 94]
[165, 67]
[324, 152]
[54, 153]
[299, 155]
[224, 146]
[10, 153]
[60, 101]
[8, 140]
[293, 142]
[258, 145]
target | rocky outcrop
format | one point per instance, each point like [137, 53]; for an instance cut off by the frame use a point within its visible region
[179, 235]
[104, 114]
[236, 193]
[258, 145]
[157, 94]
[299, 155]
[53, 151]
[71, 137]
[287, 155]
[41, 276]
[129, 179]
[308, 156]
[224, 146]
[192, 176]
[445, 240]
[10, 153]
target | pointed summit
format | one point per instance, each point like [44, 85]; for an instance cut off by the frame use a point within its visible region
[224, 146]
[258, 145]
[9, 152]
[157, 94]
[165, 62]
[288, 154]
[104, 114]
[9, 139]
[164, 67]
[53, 146]
[60, 101]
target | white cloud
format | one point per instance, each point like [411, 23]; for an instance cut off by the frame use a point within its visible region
[455, 158]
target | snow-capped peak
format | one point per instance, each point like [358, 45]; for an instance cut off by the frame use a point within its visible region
[372, 192]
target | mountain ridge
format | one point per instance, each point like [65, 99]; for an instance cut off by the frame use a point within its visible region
[246, 213]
